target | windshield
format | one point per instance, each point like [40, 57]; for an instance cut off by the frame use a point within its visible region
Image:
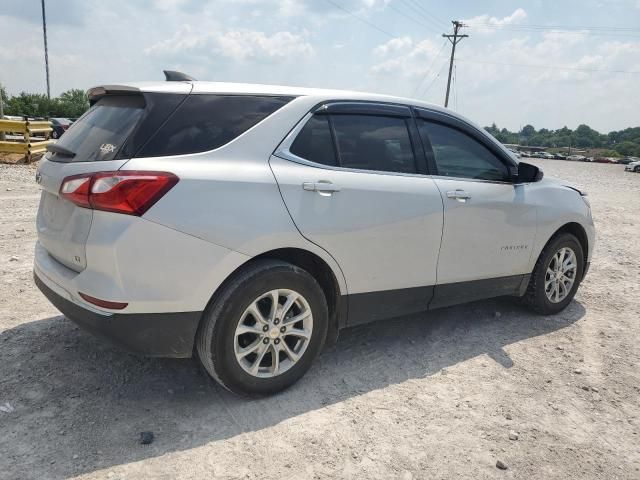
[100, 133]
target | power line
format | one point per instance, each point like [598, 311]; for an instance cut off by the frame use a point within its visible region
[595, 33]
[444, 64]
[440, 23]
[429, 69]
[455, 87]
[549, 67]
[417, 9]
[363, 20]
[560, 27]
[414, 20]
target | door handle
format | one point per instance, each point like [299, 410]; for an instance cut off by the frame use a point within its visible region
[458, 194]
[321, 187]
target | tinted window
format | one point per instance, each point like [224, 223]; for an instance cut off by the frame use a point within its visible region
[374, 143]
[314, 141]
[205, 122]
[100, 133]
[458, 155]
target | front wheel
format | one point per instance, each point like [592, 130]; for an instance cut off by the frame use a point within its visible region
[556, 276]
[637, 169]
[263, 329]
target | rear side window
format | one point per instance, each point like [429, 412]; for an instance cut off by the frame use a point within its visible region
[206, 122]
[101, 132]
[458, 155]
[377, 143]
[314, 142]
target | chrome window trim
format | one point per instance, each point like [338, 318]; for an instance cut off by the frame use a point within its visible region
[474, 180]
[283, 151]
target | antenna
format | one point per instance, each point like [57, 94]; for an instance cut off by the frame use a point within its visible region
[173, 76]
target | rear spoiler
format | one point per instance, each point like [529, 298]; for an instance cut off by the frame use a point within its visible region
[96, 93]
[181, 87]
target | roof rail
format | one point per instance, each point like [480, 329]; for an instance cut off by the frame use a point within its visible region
[173, 76]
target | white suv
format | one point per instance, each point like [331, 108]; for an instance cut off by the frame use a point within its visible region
[249, 223]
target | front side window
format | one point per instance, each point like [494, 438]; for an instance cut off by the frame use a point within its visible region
[458, 155]
[206, 122]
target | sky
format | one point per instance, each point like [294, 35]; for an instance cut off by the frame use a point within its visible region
[546, 63]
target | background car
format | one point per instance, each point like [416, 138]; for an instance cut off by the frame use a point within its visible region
[633, 167]
[628, 160]
[59, 126]
[559, 156]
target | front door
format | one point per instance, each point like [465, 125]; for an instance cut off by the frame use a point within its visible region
[489, 228]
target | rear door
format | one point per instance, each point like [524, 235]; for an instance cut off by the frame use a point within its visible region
[489, 225]
[101, 140]
[353, 179]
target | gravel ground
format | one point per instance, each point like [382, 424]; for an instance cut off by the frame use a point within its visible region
[438, 396]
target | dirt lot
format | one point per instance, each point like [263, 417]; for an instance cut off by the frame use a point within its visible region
[429, 397]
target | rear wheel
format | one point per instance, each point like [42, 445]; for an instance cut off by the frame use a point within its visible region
[264, 328]
[556, 276]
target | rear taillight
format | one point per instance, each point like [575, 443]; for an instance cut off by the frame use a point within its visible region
[128, 192]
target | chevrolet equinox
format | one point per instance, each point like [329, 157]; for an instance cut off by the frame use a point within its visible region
[248, 224]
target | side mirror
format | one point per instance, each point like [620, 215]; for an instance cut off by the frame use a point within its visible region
[528, 173]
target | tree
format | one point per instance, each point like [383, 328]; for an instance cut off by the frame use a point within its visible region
[73, 103]
[29, 104]
[3, 95]
[623, 142]
[627, 148]
[528, 131]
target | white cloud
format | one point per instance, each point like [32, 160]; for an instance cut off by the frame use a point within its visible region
[235, 44]
[393, 45]
[487, 24]
[404, 57]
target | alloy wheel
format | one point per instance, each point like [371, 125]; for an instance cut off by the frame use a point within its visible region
[560, 275]
[273, 333]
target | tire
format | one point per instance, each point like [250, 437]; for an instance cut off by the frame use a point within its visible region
[536, 296]
[636, 169]
[217, 339]
[54, 134]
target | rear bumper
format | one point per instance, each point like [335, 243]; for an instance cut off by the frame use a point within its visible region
[153, 334]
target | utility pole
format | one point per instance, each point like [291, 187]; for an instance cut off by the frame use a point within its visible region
[2, 137]
[454, 39]
[46, 52]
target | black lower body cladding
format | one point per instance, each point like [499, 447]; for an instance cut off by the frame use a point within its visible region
[152, 334]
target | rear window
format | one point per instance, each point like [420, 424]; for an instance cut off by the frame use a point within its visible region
[101, 132]
[206, 122]
[154, 125]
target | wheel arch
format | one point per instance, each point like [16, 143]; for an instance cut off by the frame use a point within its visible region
[577, 231]
[319, 269]
[324, 275]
